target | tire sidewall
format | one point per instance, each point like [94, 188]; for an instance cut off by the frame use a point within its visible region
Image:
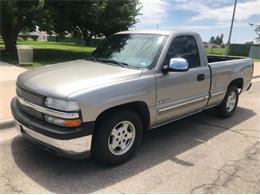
[222, 109]
[100, 148]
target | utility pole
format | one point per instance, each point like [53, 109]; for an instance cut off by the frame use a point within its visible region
[231, 28]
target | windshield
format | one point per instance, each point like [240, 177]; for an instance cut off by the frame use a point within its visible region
[133, 50]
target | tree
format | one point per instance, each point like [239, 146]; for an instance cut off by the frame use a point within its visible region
[89, 18]
[118, 16]
[212, 39]
[257, 30]
[57, 18]
[105, 17]
[218, 40]
[15, 16]
[85, 18]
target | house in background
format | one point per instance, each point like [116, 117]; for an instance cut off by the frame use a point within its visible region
[42, 35]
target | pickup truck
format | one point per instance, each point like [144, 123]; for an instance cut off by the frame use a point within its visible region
[133, 82]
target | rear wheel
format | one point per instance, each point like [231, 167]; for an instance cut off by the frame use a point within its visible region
[229, 103]
[117, 137]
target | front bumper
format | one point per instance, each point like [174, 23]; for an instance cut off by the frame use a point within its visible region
[73, 142]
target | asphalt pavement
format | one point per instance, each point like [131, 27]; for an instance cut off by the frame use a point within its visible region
[199, 154]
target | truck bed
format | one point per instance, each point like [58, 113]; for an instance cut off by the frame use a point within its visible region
[212, 59]
[224, 70]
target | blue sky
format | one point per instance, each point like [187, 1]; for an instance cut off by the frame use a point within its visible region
[208, 17]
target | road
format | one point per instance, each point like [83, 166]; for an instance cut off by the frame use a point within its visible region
[199, 154]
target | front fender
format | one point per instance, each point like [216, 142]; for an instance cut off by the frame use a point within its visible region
[96, 100]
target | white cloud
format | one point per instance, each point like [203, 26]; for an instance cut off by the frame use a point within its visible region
[153, 11]
[206, 27]
[204, 10]
[205, 16]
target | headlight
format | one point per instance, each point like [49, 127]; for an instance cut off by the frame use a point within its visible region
[63, 122]
[62, 105]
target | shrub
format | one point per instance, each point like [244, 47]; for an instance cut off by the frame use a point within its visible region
[24, 37]
[34, 37]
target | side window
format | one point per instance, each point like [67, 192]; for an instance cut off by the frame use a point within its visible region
[184, 47]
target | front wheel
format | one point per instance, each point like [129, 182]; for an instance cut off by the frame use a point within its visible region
[117, 137]
[229, 103]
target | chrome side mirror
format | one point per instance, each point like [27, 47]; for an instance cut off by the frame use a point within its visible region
[177, 65]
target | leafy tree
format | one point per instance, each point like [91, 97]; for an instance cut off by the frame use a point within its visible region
[81, 18]
[218, 40]
[105, 17]
[257, 30]
[16, 16]
[89, 18]
[212, 39]
[57, 18]
[118, 16]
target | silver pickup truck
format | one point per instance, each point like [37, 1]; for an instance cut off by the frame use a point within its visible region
[134, 81]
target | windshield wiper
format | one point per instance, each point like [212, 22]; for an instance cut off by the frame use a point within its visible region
[122, 64]
[105, 60]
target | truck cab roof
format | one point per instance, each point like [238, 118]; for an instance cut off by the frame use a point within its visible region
[159, 32]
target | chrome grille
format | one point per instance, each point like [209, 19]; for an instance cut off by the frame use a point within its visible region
[31, 111]
[30, 97]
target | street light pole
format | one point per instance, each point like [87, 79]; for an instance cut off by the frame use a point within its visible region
[231, 28]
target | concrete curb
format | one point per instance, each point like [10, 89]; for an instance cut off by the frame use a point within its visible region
[7, 123]
[257, 76]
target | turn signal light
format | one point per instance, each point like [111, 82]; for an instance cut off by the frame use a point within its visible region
[72, 123]
[63, 122]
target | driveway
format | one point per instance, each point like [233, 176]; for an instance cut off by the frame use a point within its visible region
[201, 153]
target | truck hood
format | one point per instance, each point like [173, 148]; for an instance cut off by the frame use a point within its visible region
[62, 79]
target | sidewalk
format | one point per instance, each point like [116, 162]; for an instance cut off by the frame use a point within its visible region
[256, 69]
[8, 75]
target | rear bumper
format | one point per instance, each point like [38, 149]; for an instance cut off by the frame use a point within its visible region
[72, 142]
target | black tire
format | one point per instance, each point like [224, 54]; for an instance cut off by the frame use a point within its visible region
[100, 147]
[222, 109]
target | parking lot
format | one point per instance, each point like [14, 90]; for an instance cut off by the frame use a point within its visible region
[199, 154]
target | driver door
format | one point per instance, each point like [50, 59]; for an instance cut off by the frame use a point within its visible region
[182, 93]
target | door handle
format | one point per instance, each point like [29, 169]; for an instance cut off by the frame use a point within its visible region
[201, 77]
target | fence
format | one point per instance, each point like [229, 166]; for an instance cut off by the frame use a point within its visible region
[240, 49]
[255, 51]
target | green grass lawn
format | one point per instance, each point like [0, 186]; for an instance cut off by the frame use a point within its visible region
[54, 52]
[222, 52]
[216, 51]
[49, 52]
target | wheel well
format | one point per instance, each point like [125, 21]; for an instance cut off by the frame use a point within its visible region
[238, 82]
[140, 108]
